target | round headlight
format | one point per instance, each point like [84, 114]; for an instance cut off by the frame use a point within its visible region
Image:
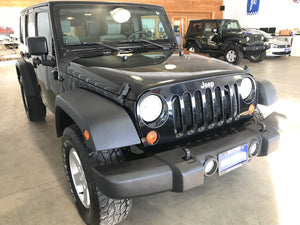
[246, 87]
[247, 39]
[150, 108]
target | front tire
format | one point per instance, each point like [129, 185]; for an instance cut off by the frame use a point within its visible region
[93, 206]
[233, 55]
[258, 57]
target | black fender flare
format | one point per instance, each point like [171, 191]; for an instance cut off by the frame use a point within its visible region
[108, 124]
[267, 94]
[193, 40]
[230, 41]
[26, 70]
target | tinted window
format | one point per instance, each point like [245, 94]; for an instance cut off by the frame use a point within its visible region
[30, 26]
[196, 27]
[43, 28]
[111, 24]
[210, 25]
[22, 31]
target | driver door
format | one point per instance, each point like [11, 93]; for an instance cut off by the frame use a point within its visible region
[45, 73]
[209, 37]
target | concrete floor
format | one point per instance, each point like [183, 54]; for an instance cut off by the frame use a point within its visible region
[33, 187]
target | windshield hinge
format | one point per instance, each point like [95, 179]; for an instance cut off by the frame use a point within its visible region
[123, 92]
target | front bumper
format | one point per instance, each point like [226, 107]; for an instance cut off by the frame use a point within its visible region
[278, 51]
[254, 48]
[168, 171]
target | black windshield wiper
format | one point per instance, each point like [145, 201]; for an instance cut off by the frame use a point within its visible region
[93, 49]
[148, 42]
[94, 44]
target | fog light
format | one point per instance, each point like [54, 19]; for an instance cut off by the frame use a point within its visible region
[253, 149]
[152, 137]
[210, 167]
[86, 135]
[251, 109]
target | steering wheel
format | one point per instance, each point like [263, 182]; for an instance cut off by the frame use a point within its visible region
[137, 32]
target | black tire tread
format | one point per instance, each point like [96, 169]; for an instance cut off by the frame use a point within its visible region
[111, 211]
[197, 50]
[261, 57]
[35, 109]
[239, 54]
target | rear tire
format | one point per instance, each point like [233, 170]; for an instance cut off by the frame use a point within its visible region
[34, 106]
[193, 48]
[258, 57]
[93, 206]
[233, 55]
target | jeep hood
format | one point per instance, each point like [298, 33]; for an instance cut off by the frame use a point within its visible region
[143, 71]
[233, 34]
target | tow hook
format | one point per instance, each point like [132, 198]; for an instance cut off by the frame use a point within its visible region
[262, 127]
[187, 155]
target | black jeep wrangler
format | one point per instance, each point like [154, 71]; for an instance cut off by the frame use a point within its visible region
[224, 37]
[136, 115]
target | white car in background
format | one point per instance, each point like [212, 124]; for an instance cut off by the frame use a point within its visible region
[277, 48]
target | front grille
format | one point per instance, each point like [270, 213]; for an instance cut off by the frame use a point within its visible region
[205, 109]
[282, 46]
[255, 39]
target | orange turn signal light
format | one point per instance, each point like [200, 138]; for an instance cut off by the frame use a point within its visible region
[152, 137]
[251, 109]
[86, 135]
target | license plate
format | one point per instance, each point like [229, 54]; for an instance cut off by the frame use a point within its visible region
[232, 159]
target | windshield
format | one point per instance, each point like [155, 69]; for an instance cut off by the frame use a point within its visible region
[230, 25]
[112, 24]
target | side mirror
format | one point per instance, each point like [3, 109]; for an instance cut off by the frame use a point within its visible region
[214, 30]
[37, 46]
[178, 38]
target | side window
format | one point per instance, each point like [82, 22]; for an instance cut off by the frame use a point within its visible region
[43, 28]
[30, 26]
[152, 27]
[196, 28]
[22, 31]
[209, 26]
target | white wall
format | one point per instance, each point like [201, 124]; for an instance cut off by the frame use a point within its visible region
[9, 17]
[282, 14]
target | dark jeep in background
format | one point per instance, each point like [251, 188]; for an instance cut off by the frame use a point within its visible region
[224, 38]
[136, 115]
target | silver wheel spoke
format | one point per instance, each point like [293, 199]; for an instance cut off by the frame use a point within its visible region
[231, 56]
[78, 178]
[86, 198]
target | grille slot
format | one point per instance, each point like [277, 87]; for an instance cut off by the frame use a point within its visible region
[177, 115]
[199, 111]
[189, 123]
[219, 106]
[209, 108]
[205, 109]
